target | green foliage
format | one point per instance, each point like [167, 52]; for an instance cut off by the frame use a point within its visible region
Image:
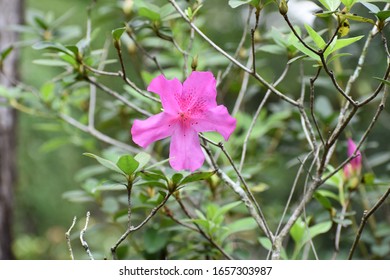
[89, 98]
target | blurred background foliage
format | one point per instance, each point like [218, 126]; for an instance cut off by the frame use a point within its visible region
[54, 175]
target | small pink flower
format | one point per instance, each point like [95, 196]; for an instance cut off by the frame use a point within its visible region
[355, 165]
[189, 108]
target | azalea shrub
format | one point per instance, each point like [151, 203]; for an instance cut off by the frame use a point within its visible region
[232, 129]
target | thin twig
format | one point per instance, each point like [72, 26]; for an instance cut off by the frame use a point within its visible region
[365, 217]
[82, 233]
[232, 59]
[97, 134]
[118, 96]
[256, 116]
[201, 231]
[67, 237]
[236, 187]
[246, 187]
[132, 228]
[312, 81]
[127, 80]
[238, 49]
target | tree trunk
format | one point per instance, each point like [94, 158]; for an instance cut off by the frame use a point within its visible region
[11, 13]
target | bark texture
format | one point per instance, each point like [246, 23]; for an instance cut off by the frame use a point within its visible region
[11, 13]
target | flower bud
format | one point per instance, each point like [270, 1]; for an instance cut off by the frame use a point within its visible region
[194, 63]
[355, 165]
[283, 7]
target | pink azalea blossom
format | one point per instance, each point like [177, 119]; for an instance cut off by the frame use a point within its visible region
[355, 165]
[189, 108]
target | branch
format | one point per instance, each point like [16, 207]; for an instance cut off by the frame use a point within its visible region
[118, 96]
[256, 116]
[83, 242]
[365, 217]
[236, 187]
[201, 231]
[67, 237]
[92, 131]
[247, 190]
[232, 59]
[131, 229]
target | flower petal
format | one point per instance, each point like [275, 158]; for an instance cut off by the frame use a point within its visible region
[357, 161]
[168, 90]
[216, 119]
[185, 151]
[199, 92]
[152, 129]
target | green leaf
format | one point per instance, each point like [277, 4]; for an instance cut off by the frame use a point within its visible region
[73, 49]
[176, 178]
[330, 5]
[4, 53]
[297, 231]
[317, 230]
[155, 240]
[316, 37]
[341, 43]
[374, 9]
[143, 159]
[369, 179]
[236, 3]
[348, 3]
[383, 15]
[383, 81]
[240, 225]
[117, 33]
[106, 163]
[221, 211]
[325, 202]
[153, 175]
[52, 46]
[198, 176]
[149, 13]
[127, 164]
[51, 62]
[358, 18]
[41, 23]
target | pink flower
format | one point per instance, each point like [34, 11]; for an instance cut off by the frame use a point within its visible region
[355, 165]
[189, 108]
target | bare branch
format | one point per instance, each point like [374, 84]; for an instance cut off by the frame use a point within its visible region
[365, 217]
[82, 233]
[67, 237]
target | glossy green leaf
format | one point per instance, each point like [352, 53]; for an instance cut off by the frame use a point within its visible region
[176, 178]
[383, 15]
[198, 176]
[106, 163]
[52, 46]
[127, 164]
[117, 33]
[348, 3]
[147, 12]
[237, 3]
[317, 39]
[330, 5]
[325, 202]
[341, 43]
